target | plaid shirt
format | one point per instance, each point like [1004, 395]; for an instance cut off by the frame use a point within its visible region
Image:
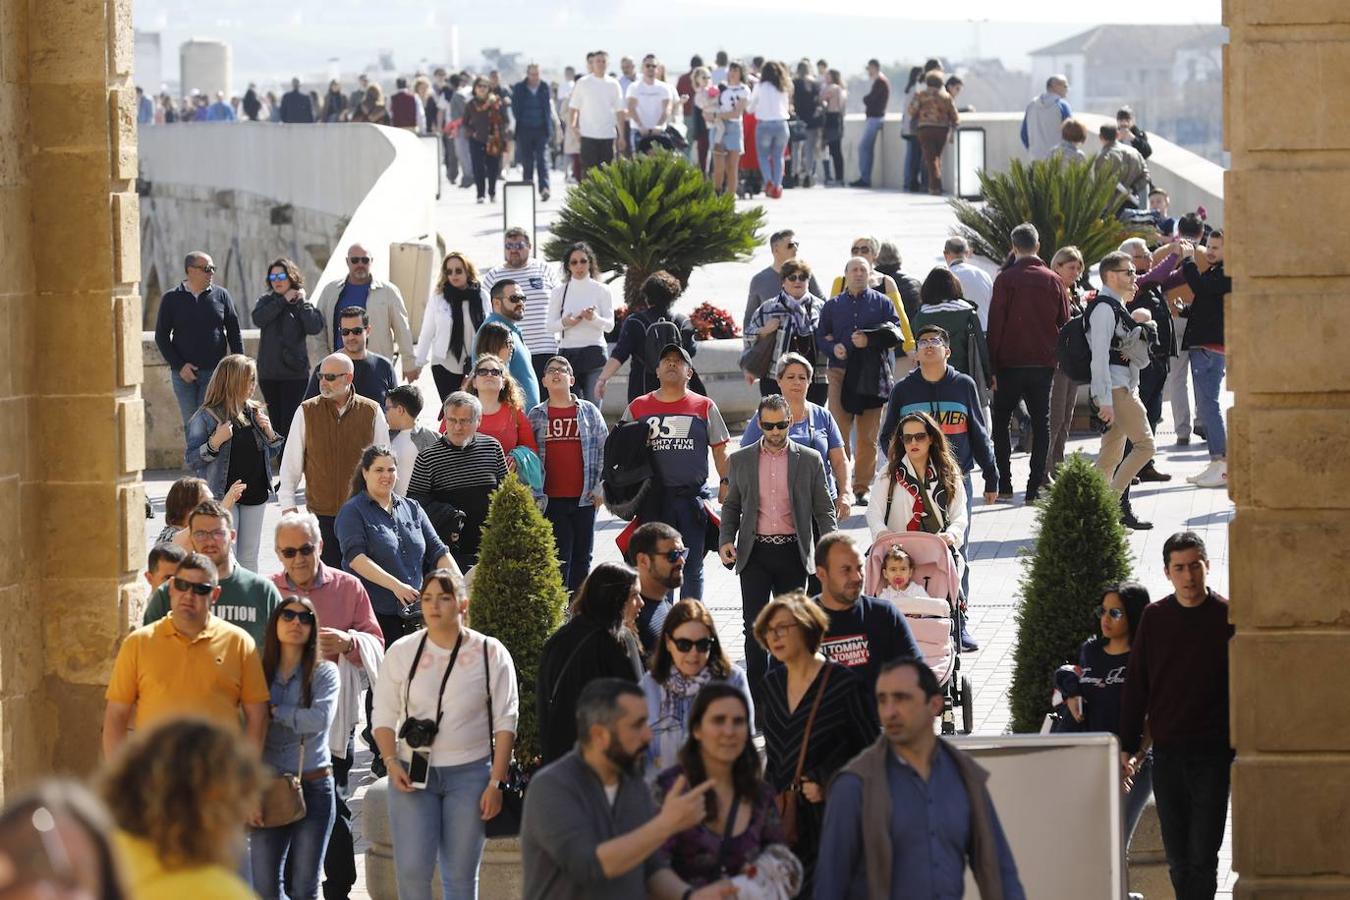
[593, 434]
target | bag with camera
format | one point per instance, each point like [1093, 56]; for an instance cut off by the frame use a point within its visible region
[506, 823]
[419, 734]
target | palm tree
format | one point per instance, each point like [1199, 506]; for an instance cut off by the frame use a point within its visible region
[1068, 202]
[653, 212]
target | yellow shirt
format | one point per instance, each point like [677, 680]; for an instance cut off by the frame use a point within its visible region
[147, 878]
[888, 288]
[166, 674]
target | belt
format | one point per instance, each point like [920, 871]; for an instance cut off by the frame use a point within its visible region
[776, 538]
[317, 774]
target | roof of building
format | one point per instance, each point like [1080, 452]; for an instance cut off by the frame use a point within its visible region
[1135, 44]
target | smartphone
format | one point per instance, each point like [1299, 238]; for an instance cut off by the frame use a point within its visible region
[419, 767]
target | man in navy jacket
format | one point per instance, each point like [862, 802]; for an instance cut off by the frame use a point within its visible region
[532, 105]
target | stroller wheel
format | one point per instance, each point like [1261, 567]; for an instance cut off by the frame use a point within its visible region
[967, 707]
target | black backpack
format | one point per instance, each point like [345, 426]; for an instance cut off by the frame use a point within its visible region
[660, 333]
[1072, 349]
[627, 474]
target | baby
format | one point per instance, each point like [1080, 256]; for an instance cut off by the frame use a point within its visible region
[897, 574]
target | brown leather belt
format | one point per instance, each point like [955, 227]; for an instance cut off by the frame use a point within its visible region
[317, 774]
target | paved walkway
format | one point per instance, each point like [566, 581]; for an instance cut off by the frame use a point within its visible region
[1001, 534]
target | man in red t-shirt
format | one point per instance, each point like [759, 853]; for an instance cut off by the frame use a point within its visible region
[571, 434]
[683, 426]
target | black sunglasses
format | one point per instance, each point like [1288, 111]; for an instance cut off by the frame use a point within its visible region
[201, 590]
[674, 556]
[487, 373]
[290, 615]
[516, 298]
[360, 329]
[702, 645]
[204, 268]
[1116, 613]
[798, 278]
[303, 550]
[774, 426]
[913, 437]
[359, 260]
[331, 376]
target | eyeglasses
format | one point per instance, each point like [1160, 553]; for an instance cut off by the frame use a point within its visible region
[861, 250]
[278, 276]
[360, 329]
[1116, 613]
[774, 426]
[515, 298]
[684, 645]
[331, 376]
[515, 245]
[201, 590]
[914, 437]
[674, 556]
[798, 278]
[207, 269]
[557, 370]
[782, 631]
[359, 260]
[456, 272]
[488, 373]
[303, 550]
[1130, 273]
[931, 342]
[290, 615]
[218, 535]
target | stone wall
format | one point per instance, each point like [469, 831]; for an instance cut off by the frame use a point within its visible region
[1287, 322]
[71, 419]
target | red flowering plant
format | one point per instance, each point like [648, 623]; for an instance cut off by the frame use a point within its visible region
[620, 313]
[713, 323]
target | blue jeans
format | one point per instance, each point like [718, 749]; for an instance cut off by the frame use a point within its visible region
[871, 127]
[771, 140]
[440, 823]
[574, 533]
[532, 152]
[294, 851]
[915, 177]
[1207, 368]
[965, 542]
[248, 525]
[190, 394]
[1137, 798]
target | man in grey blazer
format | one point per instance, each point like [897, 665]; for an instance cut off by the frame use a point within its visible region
[776, 491]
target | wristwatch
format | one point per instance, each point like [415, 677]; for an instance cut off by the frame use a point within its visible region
[499, 785]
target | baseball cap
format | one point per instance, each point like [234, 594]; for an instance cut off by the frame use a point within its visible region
[677, 348]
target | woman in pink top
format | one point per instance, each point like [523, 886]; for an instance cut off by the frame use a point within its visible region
[503, 416]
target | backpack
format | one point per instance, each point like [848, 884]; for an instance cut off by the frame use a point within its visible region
[1072, 349]
[627, 474]
[660, 334]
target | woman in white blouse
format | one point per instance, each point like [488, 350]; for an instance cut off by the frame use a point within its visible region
[455, 311]
[771, 102]
[445, 777]
[581, 309]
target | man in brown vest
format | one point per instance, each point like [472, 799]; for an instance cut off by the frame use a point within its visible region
[324, 446]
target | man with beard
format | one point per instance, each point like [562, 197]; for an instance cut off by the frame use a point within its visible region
[373, 375]
[591, 828]
[864, 632]
[658, 555]
[508, 311]
[338, 424]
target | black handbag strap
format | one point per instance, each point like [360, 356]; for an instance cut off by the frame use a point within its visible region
[445, 679]
[724, 850]
[567, 665]
[487, 681]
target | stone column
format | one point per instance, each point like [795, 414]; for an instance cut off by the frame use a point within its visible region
[71, 419]
[1288, 322]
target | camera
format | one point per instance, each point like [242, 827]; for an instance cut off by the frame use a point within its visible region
[418, 733]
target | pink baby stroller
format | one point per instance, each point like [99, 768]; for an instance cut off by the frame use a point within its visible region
[935, 619]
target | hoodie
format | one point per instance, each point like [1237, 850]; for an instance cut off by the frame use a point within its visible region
[1040, 125]
[955, 404]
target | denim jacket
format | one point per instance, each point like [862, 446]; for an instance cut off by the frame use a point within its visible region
[215, 467]
[292, 723]
[593, 434]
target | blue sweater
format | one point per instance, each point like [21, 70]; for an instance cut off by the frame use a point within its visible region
[955, 404]
[845, 314]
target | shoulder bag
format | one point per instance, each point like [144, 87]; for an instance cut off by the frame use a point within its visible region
[283, 799]
[505, 823]
[759, 357]
[787, 800]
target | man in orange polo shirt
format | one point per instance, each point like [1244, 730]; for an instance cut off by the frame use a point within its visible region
[187, 663]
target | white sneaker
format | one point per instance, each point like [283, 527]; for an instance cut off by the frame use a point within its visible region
[1204, 473]
[1216, 479]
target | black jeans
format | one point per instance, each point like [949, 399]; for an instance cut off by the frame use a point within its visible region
[595, 152]
[772, 569]
[574, 534]
[1017, 384]
[447, 382]
[283, 397]
[339, 860]
[1191, 793]
[486, 169]
[532, 154]
[332, 550]
[1152, 381]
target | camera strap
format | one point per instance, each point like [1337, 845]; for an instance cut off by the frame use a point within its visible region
[412, 673]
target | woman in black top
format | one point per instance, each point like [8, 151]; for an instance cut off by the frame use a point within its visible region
[659, 291]
[791, 627]
[1103, 661]
[284, 317]
[600, 641]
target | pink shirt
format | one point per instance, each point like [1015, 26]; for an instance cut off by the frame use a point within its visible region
[341, 601]
[775, 494]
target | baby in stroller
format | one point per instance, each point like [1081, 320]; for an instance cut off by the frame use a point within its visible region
[897, 573]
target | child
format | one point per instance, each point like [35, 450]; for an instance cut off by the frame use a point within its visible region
[897, 573]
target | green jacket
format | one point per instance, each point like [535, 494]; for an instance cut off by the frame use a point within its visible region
[962, 322]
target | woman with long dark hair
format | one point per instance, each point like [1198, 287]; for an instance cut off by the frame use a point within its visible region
[771, 102]
[284, 317]
[581, 309]
[455, 311]
[485, 123]
[921, 488]
[942, 302]
[304, 703]
[503, 402]
[742, 819]
[599, 641]
[833, 101]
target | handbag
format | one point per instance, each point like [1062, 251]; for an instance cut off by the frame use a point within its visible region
[283, 799]
[505, 823]
[758, 358]
[787, 800]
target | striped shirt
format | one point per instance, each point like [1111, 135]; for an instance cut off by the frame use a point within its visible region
[464, 477]
[536, 281]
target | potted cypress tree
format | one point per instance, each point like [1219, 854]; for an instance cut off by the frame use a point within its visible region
[1080, 548]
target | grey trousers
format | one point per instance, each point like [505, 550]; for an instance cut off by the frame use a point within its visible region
[1176, 390]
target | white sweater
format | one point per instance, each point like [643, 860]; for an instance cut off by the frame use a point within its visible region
[569, 299]
[463, 733]
[433, 344]
[902, 508]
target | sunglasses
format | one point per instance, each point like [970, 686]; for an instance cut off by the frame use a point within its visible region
[798, 278]
[201, 590]
[861, 250]
[914, 437]
[278, 276]
[515, 245]
[774, 426]
[290, 615]
[360, 329]
[674, 556]
[793, 244]
[1103, 611]
[330, 376]
[359, 260]
[684, 645]
[488, 373]
[303, 550]
[579, 261]
[204, 268]
[456, 272]
[516, 298]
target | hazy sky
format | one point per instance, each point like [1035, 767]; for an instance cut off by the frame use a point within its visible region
[310, 37]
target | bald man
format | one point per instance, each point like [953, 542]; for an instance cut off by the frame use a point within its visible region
[341, 424]
[384, 306]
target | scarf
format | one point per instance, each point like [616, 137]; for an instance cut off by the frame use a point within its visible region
[456, 296]
[798, 320]
[930, 498]
[671, 726]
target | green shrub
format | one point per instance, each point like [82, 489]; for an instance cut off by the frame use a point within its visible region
[653, 212]
[1068, 202]
[518, 595]
[1080, 549]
